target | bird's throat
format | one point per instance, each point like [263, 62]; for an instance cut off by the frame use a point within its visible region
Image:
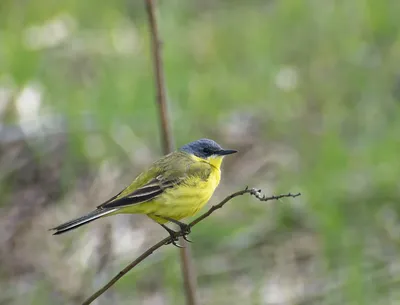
[215, 161]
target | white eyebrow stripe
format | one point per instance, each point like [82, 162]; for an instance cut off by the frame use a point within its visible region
[215, 156]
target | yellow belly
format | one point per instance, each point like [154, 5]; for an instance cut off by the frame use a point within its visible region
[179, 202]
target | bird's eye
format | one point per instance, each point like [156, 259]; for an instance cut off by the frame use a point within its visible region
[206, 150]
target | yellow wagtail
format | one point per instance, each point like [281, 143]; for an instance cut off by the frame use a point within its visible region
[176, 186]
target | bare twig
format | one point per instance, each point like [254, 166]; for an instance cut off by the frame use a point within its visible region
[188, 271]
[167, 240]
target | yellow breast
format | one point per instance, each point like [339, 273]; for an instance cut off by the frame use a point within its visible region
[185, 200]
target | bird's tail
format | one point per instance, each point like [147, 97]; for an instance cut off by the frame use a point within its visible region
[75, 223]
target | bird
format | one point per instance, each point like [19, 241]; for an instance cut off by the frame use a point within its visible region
[174, 187]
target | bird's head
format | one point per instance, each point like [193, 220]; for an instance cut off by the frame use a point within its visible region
[208, 150]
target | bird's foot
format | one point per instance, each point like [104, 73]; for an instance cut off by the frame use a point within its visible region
[173, 240]
[174, 237]
[185, 228]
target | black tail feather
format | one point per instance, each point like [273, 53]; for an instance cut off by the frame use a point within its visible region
[75, 223]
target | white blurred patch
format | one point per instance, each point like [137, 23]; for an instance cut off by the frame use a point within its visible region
[50, 34]
[287, 78]
[27, 105]
[28, 102]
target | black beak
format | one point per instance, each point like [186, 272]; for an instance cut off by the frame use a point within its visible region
[225, 152]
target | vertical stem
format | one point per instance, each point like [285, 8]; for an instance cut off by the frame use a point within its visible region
[167, 141]
[188, 271]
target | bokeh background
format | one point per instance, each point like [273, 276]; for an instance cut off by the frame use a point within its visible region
[308, 91]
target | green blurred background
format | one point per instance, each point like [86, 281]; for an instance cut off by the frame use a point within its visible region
[308, 91]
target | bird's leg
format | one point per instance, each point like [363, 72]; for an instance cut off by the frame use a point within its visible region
[173, 235]
[185, 228]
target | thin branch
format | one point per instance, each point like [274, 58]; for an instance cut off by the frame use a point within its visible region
[254, 192]
[188, 272]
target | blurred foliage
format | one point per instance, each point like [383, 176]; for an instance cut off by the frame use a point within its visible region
[308, 91]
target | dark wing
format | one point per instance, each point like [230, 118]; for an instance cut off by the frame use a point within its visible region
[152, 189]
